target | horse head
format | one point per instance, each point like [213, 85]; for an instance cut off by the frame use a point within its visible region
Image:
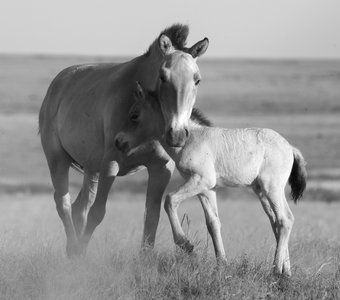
[179, 77]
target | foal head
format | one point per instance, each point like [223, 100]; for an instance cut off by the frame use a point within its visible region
[179, 78]
[145, 121]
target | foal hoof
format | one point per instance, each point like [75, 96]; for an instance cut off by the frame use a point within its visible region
[281, 274]
[187, 247]
[221, 261]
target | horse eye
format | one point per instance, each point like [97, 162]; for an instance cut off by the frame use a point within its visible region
[134, 117]
[197, 82]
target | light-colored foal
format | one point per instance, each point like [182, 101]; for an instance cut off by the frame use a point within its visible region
[211, 157]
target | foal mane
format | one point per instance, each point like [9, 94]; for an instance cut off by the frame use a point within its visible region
[177, 33]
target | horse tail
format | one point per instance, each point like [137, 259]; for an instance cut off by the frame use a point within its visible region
[298, 175]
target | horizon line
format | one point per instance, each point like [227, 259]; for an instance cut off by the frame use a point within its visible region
[127, 57]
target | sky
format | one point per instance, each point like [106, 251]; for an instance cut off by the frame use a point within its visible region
[235, 28]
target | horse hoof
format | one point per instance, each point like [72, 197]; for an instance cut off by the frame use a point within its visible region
[74, 251]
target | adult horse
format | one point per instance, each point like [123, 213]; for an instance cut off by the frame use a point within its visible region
[87, 105]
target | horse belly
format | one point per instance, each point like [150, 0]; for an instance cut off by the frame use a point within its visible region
[81, 137]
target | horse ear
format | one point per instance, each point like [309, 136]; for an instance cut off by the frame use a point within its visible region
[139, 92]
[199, 48]
[165, 44]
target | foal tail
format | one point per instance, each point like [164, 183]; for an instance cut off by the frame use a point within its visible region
[298, 175]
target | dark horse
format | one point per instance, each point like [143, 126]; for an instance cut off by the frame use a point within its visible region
[87, 105]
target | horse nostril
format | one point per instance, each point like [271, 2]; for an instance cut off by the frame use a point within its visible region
[169, 133]
[186, 132]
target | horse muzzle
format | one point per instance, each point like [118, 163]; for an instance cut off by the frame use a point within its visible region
[177, 138]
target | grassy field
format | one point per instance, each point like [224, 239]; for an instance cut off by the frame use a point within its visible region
[34, 266]
[300, 99]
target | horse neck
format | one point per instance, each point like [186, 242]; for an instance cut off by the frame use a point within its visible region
[148, 66]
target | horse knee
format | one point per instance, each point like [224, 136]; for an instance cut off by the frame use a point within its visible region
[63, 204]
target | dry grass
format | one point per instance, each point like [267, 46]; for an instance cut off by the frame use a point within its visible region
[34, 266]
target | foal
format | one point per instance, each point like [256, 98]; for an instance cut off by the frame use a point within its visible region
[254, 157]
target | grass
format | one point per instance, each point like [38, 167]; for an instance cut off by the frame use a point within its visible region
[34, 266]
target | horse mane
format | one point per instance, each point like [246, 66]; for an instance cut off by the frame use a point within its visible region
[177, 33]
[198, 117]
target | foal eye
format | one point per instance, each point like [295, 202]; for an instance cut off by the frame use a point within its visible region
[197, 82]
[162, 78]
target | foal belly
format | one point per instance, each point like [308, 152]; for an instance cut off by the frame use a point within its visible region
[236, 175]
[234, 181]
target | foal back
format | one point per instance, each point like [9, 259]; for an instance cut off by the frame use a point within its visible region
[238, 155]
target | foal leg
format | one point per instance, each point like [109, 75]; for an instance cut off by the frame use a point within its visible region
[192, 187]
[84, 201]
[284, 223]
[270, 213]
[267, 208]
[209, 204]
[286, 264]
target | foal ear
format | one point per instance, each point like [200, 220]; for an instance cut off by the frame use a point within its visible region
[139, 92]
[199, 48]
[165, 44]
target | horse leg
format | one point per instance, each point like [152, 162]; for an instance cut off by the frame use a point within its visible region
[159, 177]
[194, 186]
[84, 201]
[284, 223]
[97, 210]
[209, 204]
[59, 163]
